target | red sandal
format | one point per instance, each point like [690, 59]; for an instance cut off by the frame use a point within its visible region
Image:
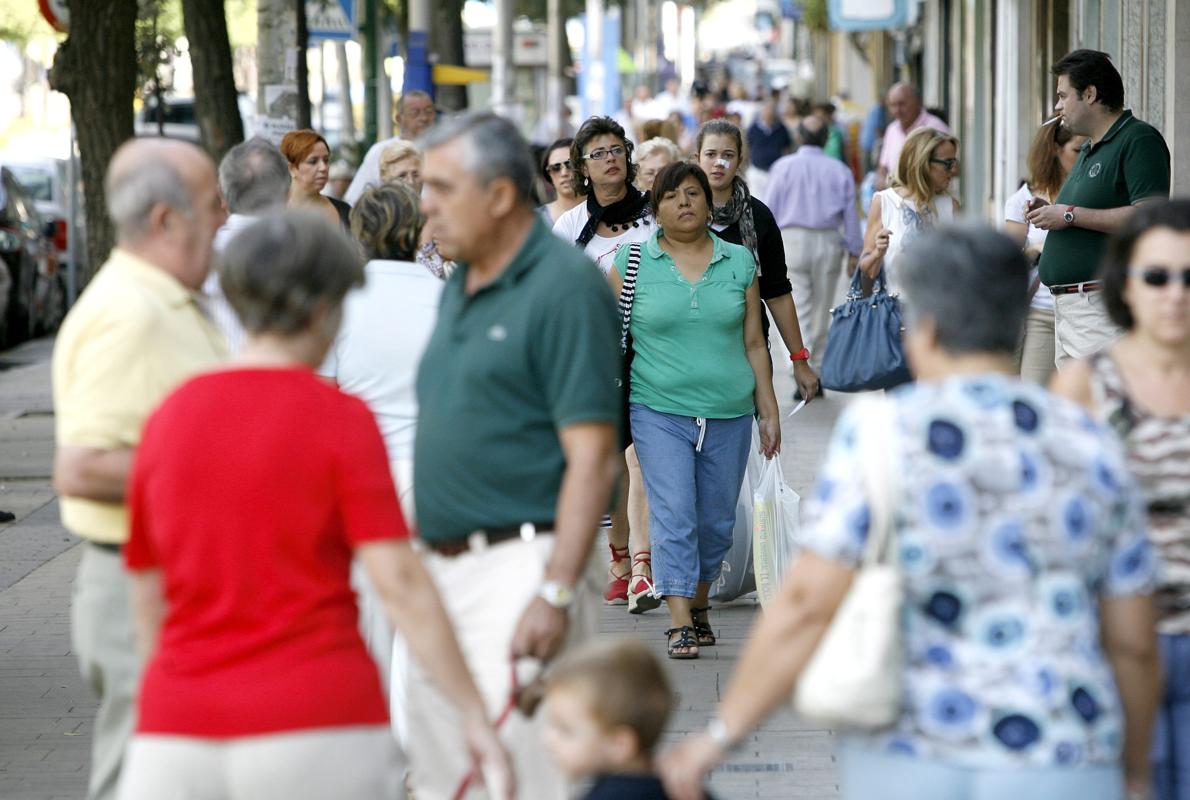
[642, 594]
[616, 593]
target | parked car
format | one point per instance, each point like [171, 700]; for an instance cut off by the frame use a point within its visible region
[177, 119]
[48, 181]
[36, 292]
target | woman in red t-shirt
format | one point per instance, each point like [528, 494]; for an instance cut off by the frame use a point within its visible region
[253, 488]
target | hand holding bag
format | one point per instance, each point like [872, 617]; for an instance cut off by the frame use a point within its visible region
[853, 679]
[863, 348]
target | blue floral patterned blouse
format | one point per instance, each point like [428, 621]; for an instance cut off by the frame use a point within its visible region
[1016, 512]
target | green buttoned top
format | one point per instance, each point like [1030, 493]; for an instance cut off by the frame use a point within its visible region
[1129, 164]
[507, 367]
[689, 338]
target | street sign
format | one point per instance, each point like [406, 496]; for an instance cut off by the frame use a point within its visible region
[56, 14]
[868, 15]
[330, 20]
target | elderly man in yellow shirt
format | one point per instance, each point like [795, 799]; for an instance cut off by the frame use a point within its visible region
[136, 333]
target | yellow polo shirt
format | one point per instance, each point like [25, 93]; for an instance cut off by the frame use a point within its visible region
[134, 335]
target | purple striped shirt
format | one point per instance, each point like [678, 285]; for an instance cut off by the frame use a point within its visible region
[809, 189]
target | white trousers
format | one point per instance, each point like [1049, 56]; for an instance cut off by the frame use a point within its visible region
[485, 595]
[352, 763]
[1081, 326]
[815, 259]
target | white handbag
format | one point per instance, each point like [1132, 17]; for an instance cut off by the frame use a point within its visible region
[853, 679]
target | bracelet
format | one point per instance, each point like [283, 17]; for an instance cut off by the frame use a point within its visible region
[800, 355]
[716, 731]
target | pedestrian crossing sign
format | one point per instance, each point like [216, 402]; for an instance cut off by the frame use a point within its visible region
[330, 19]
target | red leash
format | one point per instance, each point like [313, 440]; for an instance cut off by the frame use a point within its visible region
[513, 696]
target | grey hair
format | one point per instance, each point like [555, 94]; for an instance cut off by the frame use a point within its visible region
[254, 177]
[972, 282]
[133, 193]
[495, 149]
[657, 143]
[408, 95]
[280, 270]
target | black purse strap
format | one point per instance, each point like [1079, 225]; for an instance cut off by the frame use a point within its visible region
[628, 294]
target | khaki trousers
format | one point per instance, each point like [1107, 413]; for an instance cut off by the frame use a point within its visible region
[1081, 326]
[350, 763]
[485, 594]
[103, 638]
[815, 259]
[1037, 346]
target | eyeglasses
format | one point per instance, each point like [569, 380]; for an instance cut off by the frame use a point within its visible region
[1161, 276]
[604, 152]
[948, 163]
[556, 168]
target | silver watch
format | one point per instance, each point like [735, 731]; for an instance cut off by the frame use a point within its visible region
[556, 594]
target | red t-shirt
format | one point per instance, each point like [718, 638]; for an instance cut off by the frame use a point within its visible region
[250, 489]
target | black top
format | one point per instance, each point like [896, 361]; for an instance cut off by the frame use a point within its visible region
[344, 212]
[629, 787]
[774, 275]
[767, 145]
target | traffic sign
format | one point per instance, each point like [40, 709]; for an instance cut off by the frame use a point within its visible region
[330, 20]
[56, 14]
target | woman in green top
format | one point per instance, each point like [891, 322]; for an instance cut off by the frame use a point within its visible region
[700, 372]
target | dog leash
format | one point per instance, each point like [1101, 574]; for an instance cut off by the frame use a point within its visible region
[509, 707]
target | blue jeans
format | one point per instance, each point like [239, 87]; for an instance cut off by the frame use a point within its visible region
[1171, 734]
[865, 774]
[693, 469]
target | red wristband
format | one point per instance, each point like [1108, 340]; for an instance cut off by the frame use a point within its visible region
[800, 355]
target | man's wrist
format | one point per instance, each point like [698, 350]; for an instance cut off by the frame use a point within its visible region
[557, 594]
[718, 733]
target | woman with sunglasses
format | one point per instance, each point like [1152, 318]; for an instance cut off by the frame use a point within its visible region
[558, 173]
[1141, 387]
[915, 201]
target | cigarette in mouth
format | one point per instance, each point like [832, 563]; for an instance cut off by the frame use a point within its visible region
[1050, 120]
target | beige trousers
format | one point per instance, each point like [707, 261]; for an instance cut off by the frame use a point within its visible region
[815, 260]
[485, 594]
[1081, 326]
[103, 639]
[351, 763]
[1037, 346]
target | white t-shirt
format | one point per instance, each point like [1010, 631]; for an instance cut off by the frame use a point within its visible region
[1015, 209]
[897, 213]
[220, 310]
[368, 173]
[601, 249]
[386, 326]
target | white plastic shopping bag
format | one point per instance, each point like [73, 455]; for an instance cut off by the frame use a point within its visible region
[736, 578]
[774, 529]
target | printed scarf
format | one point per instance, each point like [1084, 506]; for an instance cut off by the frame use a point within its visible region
[739, 209]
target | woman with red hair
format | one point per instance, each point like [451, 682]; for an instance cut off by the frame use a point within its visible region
[309, 158]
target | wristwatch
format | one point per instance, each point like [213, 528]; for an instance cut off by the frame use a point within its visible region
[556, 594]
[1068, 215]
[800, 355]
[716, 731]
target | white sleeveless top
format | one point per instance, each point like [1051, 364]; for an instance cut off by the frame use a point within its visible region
[905, 222]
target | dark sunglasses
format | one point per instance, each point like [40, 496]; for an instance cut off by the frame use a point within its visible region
[1160, 276]
[556, 168]
[947, 163]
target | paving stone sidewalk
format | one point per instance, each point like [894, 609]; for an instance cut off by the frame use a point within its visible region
[46, 712]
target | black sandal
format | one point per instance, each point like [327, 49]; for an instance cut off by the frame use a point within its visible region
[687, 640]
[702, 628]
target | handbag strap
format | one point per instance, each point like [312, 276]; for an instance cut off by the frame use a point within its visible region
[880, 440]
[628, 294]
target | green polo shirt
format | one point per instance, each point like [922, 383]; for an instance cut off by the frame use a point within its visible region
[689, 338]
[1128, 165]
[506, 368]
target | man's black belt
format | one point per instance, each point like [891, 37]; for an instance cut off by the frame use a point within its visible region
[1076, 288]
[486, 537]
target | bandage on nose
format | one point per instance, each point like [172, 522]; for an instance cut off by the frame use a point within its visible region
[722, 162]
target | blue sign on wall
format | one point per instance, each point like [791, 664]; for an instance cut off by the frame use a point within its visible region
[867, 15]
[330, 20]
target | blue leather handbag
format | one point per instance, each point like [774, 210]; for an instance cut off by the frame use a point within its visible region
[863, 348]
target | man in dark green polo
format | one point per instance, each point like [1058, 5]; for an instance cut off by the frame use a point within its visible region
[517, 427]
[1125, 163]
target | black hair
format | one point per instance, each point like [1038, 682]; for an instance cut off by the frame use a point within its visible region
[817, 138]
[593, 128]
[1113, 270]
[1084, 68]
[672, 176]
[545, 156]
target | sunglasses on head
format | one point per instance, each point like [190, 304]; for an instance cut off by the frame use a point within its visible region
[556, 168]
[1161, 276]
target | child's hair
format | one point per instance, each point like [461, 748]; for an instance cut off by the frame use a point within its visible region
[625, 685]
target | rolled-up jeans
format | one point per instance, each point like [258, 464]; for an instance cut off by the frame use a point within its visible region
[693, 468]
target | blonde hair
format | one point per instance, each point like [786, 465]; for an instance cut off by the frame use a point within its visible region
[395, 153]
[386, 222]
[913, 167]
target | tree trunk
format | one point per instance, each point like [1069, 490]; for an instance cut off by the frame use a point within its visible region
[446, 35]
[96, 68]
[216, 103]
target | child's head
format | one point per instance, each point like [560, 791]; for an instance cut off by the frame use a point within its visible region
[606, 706]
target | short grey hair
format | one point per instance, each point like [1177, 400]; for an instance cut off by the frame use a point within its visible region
[132, 194]
[409, 95]
[281, 269]
[254, 177]
[495, 147]
[972, 282]
[654, 145]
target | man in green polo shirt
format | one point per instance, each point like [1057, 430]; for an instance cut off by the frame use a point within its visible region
[517, 428]
[1124, 163]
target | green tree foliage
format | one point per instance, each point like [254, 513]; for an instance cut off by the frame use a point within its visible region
[21, 21]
